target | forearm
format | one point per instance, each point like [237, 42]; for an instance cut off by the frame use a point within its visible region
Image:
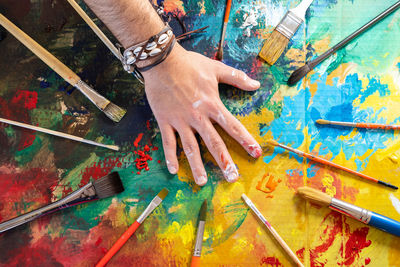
[130, 21]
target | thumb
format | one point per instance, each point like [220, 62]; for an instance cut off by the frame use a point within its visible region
[236, 78]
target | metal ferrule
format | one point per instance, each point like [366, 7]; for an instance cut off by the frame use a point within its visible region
[291, 149]
[348, 124]
[199, 239]
[84, 192]
[221, 44]
[153, 204]
[289, 24]
[351, 210]
[100, 101]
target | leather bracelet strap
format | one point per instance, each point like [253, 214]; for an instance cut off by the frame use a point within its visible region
[160, 60]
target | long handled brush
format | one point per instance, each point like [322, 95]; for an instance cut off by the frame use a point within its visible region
[360, 125]
[104, 187]
[220, 53]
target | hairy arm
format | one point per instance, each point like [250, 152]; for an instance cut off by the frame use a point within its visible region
[182, 91]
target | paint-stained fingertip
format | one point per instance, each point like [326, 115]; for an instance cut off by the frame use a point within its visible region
[201, 180]
[172, 169]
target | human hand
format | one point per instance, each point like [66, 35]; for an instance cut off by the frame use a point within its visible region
[183, 94]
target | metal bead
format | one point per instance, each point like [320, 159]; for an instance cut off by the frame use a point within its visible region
[151, 46]
[155, 52]
[163, 38]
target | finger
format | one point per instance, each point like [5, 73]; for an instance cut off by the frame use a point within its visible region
[235, 129]
[169, 145]
[236, 78]
[192, 151]
[218, 150]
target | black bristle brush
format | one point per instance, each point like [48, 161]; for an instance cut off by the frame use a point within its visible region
[298, 74]
[104, 187]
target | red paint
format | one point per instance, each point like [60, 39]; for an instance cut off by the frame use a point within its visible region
[137, 140]
[271, 261]
[357, 241]
[98, 242]
[142, 161]
[148, 125]
[295, 179]
[159, 161]
[154, 148]
[300, 254]
[367, 261]
[26, 99]
[99, 169]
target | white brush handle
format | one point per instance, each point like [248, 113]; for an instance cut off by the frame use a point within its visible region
[59, 134]
[301, 9]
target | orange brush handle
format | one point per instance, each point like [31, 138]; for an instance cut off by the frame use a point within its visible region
[120, 242]
[227, 10]
[377, 126]
[329, 163]
[195, 262]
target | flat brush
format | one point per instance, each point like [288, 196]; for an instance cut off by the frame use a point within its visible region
[363, 215]
[220, 53]
[128, 233]
[284, 31]
[59, 134]
[329, 163]
[199, 237]
[104, 187]
[111, 110]
[360, 125]
[272, 231]
[298, 74]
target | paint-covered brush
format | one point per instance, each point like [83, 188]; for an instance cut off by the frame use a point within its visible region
[360, 125]
[278, 40]
[104, 187]
[199, 237]
[272, 231]
[131, 230]
[363, 215]
[111, 110]
[220, 53]
[59, 134]
[330, 163]
[298, 74]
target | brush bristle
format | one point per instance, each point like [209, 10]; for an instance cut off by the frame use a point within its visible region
[163, 193]
[273, 47]
[108, 185]
[272, 142]
[321, 121]
[314, 195]
[203, 211]
[298, 74]
[220, 54]
[114, 112]
[113, 147]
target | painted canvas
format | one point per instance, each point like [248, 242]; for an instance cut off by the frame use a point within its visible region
[359, 83]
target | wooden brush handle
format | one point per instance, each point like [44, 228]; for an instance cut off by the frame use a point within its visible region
[227, 10]
[56, 65]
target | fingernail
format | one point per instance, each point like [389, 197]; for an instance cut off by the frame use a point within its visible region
[255, 150]
[231, 173]
[201, 180]
[255, 83]
[172, 169]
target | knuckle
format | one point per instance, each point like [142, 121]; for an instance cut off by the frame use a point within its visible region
[216, 143]
[195, 116]
[189, 149]
[236, 130]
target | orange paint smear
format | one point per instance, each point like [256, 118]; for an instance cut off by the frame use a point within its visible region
[269, 186]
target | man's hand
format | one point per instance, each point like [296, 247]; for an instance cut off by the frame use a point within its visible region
[183, 94]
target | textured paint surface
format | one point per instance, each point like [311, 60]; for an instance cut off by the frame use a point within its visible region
[360, 83]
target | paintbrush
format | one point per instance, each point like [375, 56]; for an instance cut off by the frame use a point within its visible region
[363, 215]
[329, 163]
[128, 233]
[111, 110]
[59, 134]
[272, 231]
[302, 71]
[360, 125]
[199, 237]
[104, 187]
[220, 53]
[284, 31]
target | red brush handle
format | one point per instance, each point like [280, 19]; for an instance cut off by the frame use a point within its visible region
[120, 242]
[227, 10]
[195, 262]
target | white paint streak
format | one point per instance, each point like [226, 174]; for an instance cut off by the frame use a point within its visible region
[233, 73]
[221, 118]
[250, 20]
[231, 173]
[197, 104]
[63, 107]
[395, 202]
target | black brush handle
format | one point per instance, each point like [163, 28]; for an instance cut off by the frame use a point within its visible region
[349, 38]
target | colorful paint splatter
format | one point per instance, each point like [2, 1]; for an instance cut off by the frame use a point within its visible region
[359, 83]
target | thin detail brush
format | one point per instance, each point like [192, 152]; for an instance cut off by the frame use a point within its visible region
[104, 187]
[363, 215]
[298, 74]
[330, 163]
[111, 110]
[59, 134]
[199, 237]
[360, 125]
[278, 40]
[220, 53]
[128, 233]
[272, 231]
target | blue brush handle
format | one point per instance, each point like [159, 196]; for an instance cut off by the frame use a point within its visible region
[384, 223]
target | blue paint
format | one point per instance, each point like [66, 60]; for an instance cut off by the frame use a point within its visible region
[44, 84]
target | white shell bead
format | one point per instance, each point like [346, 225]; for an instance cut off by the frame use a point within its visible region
[169, 32]
[155, 52]
[151, 46]
[131, 59]
[129, 54]
[143, 56]
[163, 38]
[137, 50]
